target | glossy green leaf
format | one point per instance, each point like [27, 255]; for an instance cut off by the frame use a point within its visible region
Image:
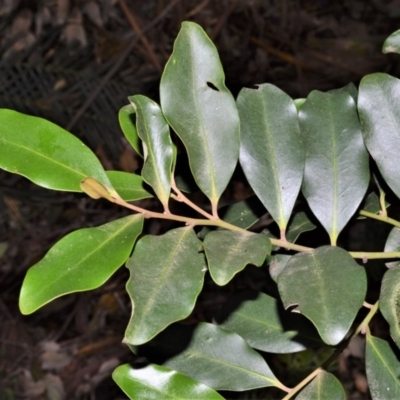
[265, 325]
[244, 213]
[82, 260]
[167, 274]
[383, 369]
[324, 386]
[378, 100]
[393, 244]
[128, 185]
[46, 154]
[158, 150]
[209, 354]
[228, 252]
[327, 286]
[337, 171]
[128, 127]
[299, 224]
[277, 264]
[155, 382]
[201, 110]
[392, 43]
[271, 150]
[389, 301]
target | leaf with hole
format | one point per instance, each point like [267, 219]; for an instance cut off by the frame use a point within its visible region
[46, 154]
[158, 152]
[383, 369]
[228, 252]
[327, 286]
[336, 174]
[378, 97]
[163, 284]
[82, 260]
[156, 382]
[271, 149]
[265, 325]
[201, 110]
[323, 386]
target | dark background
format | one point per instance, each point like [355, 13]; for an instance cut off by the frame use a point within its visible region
[75, 63]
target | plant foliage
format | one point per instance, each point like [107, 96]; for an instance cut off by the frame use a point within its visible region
[308, 163]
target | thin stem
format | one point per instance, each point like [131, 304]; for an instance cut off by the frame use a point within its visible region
[382, 202]
[380, 217]
[183, 199]
[375, 255]
[362, 328]
[303, 383]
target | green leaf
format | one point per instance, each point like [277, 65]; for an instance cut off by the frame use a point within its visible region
[389, 301]
[337, 172]
[265, 325]
[201, 110]
[128, 127]
[379, 95]
[228, 252]
[271, 150]
[298, 103]
[393, 244]
[327, 286]
[155, 382]
[157, 146]
[167, 274]
[277, 264]
[46, 154]
[299, 224]
[82, 260]
[128, 185]
[209, 354]
[383, 369]
[392, 43]
[244, 213]
[323, 386]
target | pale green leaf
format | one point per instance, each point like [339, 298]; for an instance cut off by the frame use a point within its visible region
[158, 150]
[324, 386]
[82, 260]
[201, 110]
[327, 286]
[271, 150]
[337, 165]
[46, 154]
[298, 224]
[389, 301]
[393, 244]
[383, 369]
[379, 96]
[166, 276]
[228, 252]
[128, 127]
[155, 382]
[392, 43]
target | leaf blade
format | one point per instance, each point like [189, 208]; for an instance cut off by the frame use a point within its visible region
[205, 119]
[336, 173]
[46, 154]
[155, 382]
[265, 113]
[170, 292]
[79, 261]
[332, 276]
